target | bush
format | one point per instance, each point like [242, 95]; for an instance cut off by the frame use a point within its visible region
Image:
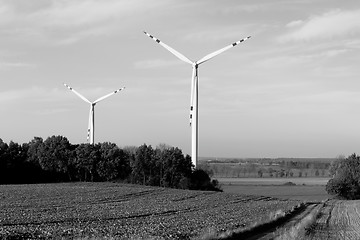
[289, 184]
[200, 180]
[345, 181]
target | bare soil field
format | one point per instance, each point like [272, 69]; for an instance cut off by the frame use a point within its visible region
[121, 211]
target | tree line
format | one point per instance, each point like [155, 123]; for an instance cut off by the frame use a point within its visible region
[57, 160]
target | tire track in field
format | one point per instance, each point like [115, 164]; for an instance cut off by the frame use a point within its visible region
[135, 216]
[339, 219]
[338, 223]
[331, 223]
[352, 220]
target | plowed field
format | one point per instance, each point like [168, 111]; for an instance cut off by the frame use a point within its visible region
[338, 220]
[120, 211]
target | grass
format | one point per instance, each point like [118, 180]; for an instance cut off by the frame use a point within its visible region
[304, 228]
[260, 227]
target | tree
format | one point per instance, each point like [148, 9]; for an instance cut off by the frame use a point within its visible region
[271, 171]
[334, 166]
[36, 173]
[15, 157]
[113, 162]
[33, 154]
[200, 180]
[345, 181]
[54, 154]
[3, 161]
[87, 157]
[140, 166]
[176, 167]
[252, 168]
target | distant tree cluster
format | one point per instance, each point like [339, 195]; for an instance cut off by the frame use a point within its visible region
[345, 181]
[57, 160]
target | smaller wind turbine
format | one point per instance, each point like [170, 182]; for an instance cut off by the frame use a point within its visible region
[91, 126]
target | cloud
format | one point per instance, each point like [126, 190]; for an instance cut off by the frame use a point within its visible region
[67, 21]
[6, 65]
[240, 8]
[333, 24]
[66, 13]
[295, 23]
[334, 52]
[30, 95]
[231, 33]
[78, 13]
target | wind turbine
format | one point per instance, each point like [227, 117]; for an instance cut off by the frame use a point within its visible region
[91, 126]
[195, 89]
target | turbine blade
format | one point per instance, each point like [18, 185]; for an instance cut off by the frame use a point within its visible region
[211, 55]
[170, 49]
[108, 95]
[89, 125]
[78, 94]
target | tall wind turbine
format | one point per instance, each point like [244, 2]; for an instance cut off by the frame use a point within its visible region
[195, 89]
[91, 126]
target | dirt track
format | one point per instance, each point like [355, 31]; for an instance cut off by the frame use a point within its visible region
[338, 220]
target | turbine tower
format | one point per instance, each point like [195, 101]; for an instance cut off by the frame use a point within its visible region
[195, 89]
[91, 126]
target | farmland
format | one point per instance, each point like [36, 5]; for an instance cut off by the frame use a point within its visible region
[306, 189]
[123, 211]
[113, 210]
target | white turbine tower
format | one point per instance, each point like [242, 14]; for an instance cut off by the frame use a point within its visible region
[195, 89]
[91, 126]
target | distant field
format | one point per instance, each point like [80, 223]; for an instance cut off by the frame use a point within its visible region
[307, 189]
[274, 181]
[121, 211]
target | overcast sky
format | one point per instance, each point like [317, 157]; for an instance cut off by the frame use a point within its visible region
[292, 90]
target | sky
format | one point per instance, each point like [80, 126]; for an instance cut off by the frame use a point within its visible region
[291, 90]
